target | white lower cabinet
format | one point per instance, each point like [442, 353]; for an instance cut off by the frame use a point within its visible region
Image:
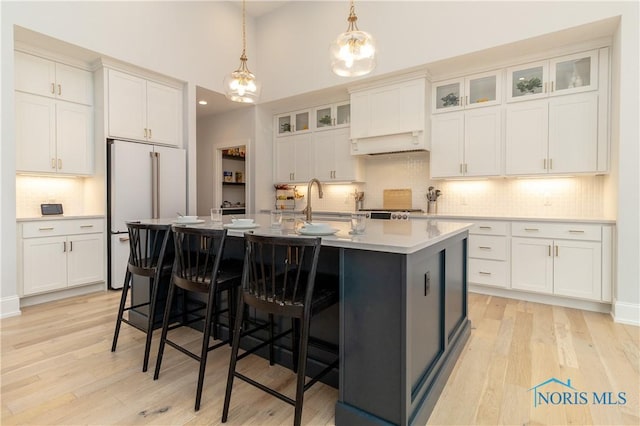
[59, 254]
[559, 259]
[488, 249]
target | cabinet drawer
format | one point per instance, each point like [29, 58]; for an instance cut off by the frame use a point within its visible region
[85, 226]
[490, 228]
[488, 272]
[488, 247]
[45, 228]
[51, 228]
[565, 231]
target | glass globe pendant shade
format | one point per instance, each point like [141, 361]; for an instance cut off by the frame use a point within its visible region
[241, 85]
[353, 54]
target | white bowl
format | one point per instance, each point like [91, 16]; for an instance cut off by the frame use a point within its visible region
[187, 218]
[317, 227]
[242, 221]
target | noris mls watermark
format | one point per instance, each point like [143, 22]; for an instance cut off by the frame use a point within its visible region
[556, 392]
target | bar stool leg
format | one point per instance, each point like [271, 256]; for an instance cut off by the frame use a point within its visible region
[237, 330]
[210, 314]
[165, 328]
[302, 366]
[154, 282]
[123, 301]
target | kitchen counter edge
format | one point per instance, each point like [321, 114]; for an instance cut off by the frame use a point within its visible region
[43, 218]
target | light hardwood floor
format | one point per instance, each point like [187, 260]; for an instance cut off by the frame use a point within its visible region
[57, 368]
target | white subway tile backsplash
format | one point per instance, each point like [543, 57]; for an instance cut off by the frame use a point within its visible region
[31, 191]
[577, 197]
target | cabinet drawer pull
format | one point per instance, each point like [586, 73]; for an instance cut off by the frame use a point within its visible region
[576, 231]
[64, 246]
[86, 226]
[484, 273]
[70, 245]
[544, 163]
[47, 228]
[545, 87]
[145, 132]
[150, 134]
[550, 163]
[123, 239]
[532, 229]
[552, 86]
[484, 247]
[60, 89]
[59, 163]
[53, 163]
[485, 227]
[53, 88]
[549, 250]
[427, 282]
[556, 251]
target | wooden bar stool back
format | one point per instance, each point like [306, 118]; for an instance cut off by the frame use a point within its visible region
[199, 268]
[150, 256]
[280, 278]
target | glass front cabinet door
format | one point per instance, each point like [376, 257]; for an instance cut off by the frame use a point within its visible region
[333, 116]
[294, 122]
[474, 91]
[447, 95]
[559, 76]
[574, 73]
[528, 81]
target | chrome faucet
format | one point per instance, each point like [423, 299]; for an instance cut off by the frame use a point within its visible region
[307, 210]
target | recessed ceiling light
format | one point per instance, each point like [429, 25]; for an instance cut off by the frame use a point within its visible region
[202, 102]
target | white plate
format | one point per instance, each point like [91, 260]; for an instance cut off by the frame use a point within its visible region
[240, 226]
[318, 233]
[188, 222]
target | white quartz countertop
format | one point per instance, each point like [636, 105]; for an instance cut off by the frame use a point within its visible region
[392, 236]
[58, 217]
[473, 217]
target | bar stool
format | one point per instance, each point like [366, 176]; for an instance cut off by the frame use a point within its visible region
[148, 257]
[279, 278]
[199, 268]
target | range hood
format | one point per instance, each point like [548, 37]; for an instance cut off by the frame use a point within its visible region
[389, 116]
[389, 144]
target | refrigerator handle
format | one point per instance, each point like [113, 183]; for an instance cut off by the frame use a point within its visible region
[154, 185]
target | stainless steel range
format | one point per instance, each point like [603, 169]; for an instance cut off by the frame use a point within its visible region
[391, 214]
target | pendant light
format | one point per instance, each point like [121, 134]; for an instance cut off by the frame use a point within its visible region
[241, 85]
[353, 53]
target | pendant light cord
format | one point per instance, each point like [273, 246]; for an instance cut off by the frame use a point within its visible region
[353, 26]
[244, 32]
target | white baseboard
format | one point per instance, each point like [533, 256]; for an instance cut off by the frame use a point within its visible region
[10, 307]
[626, 313]
[547, 299]
[61, 294]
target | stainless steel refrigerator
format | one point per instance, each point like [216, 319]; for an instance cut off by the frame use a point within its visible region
[144, 181]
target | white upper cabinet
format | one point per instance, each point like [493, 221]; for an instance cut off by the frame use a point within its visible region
[293, 159]
[144, 110]
[332, 159]
[558, 76]
[292, 123]
[554, 136]
[332, 116]
[43, 77]
[479, 90]
[53, 136]
[466, 143]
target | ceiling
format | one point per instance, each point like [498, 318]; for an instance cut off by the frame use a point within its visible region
[216, 103]
[256, 8]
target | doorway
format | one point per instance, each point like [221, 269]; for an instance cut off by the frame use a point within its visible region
[231, 176]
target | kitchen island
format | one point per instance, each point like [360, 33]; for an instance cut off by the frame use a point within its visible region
[402, 313]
